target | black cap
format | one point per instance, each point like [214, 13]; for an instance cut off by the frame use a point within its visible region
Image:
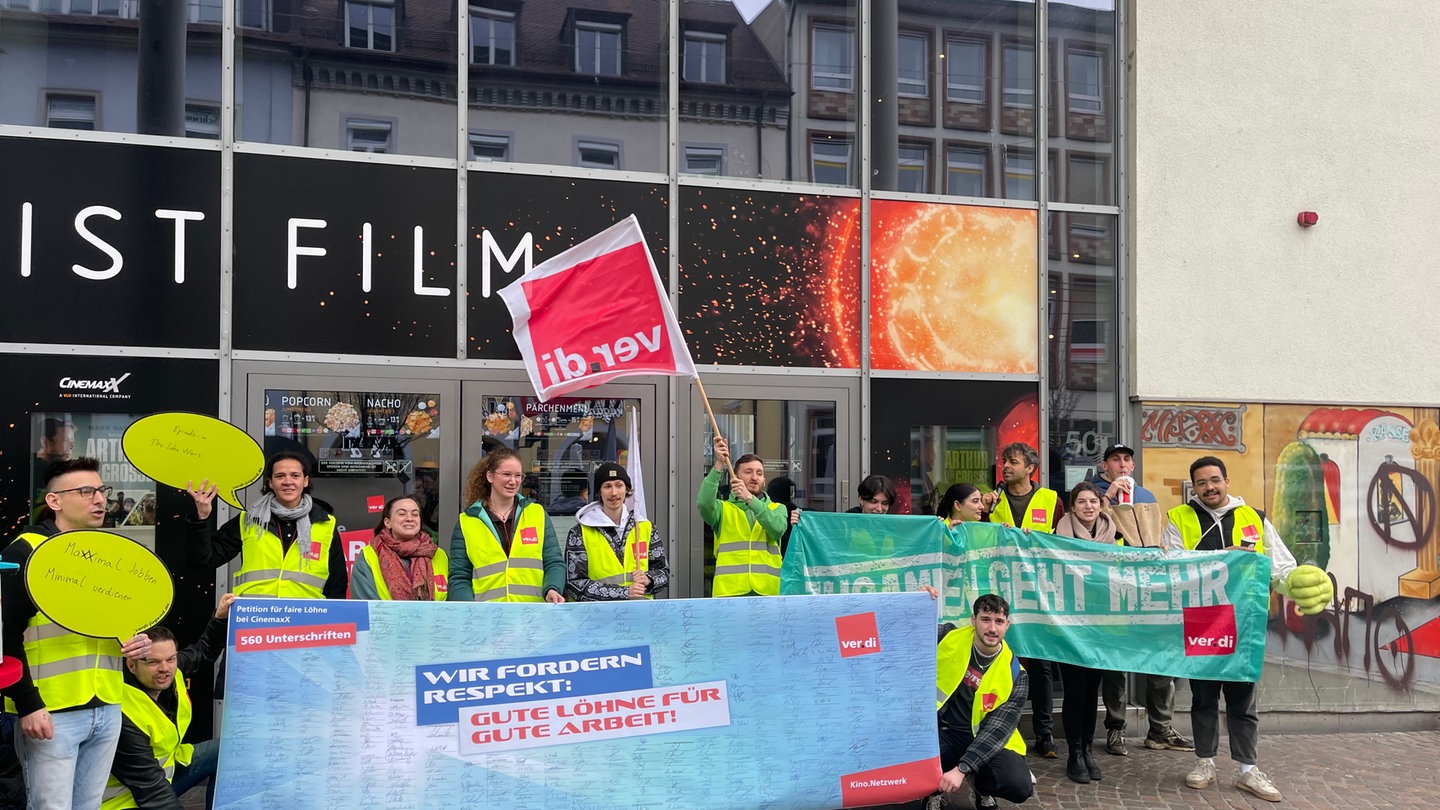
[609, 471]
[1115, 448]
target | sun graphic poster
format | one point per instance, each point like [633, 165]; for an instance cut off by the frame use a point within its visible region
[953, 288]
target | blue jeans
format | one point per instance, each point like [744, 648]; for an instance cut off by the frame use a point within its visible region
[68, 771]
[201, 769]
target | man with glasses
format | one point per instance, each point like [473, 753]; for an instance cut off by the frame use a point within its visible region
[68, 695]
[152, 767]
[1215, 520]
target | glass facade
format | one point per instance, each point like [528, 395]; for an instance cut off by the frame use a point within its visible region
[396, 162]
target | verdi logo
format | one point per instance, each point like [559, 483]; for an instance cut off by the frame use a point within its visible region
[858, 634]
[1210, 630]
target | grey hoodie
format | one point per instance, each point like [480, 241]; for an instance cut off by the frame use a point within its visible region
[1282, 562]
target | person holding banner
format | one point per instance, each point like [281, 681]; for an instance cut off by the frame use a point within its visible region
[980, 694]
[401, 562]
[611, 554]
[1215, 520]
[1023, 505]
[288, 541]
[877, 496]
[152, 767]
[747, 527]
[1086, 521]
[68, 696]
[962, 503]
[1119, 491]
[504, 548]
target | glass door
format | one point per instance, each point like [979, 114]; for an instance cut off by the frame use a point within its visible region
[803, 432]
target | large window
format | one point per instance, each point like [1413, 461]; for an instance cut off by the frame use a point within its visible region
[492, 36]
[965, 70]
[70, 111]
[832, 58]
[370, 26]
[1018, 74]
[913, 65]
[830, 160]
[966, 171]
[597, 48]
[704, 57]
[1083, 70]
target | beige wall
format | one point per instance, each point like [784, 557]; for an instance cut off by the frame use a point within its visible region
[1244, 114]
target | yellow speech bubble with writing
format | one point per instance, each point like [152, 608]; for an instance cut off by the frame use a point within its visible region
[178, 448]
[99, 583]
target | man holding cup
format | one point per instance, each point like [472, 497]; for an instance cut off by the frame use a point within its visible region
[1114, 478]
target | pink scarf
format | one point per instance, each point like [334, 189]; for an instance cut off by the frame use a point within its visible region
[419, 582]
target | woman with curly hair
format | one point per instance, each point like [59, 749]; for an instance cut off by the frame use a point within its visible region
[504, 548]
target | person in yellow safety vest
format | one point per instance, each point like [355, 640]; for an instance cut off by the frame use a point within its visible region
[611, 553]
[747, 527]
[153, 768]
[1215, 520]
[401, 561]
[980, 690]
[68, 696]
[1022, 504]
[504, 548]
[288, 541]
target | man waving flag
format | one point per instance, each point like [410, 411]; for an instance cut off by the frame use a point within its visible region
[594, 313]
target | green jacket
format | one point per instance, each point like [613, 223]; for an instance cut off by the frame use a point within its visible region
[774, 521]
[552, 553]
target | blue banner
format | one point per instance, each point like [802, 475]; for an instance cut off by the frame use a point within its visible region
[780, 702]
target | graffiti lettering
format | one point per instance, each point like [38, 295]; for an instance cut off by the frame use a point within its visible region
[1200, 428]
[1388, 493]
[1394, 659]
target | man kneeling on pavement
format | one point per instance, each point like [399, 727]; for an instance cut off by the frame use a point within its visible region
[152, 767]
[980, 692]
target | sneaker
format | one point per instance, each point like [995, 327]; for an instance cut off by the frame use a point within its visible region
[1258, 784]
[983, 802]
[1115, 742]
[1045, 746]
[1168, 740]
[1203, 776]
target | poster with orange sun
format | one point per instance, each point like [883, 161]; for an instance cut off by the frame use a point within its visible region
[953, 288]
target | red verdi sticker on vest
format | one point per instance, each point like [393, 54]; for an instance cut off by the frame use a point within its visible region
[314, 552]
[1038, 515]
[441, 583]
[1250, 534]
[529, 536]
[988, 700]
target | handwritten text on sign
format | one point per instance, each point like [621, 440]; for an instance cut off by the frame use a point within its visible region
[99, 584]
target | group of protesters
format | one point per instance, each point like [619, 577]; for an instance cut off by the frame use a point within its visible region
[101, 723]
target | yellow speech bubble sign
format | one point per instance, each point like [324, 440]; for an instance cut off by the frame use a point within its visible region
[178, 448]
[99, 584]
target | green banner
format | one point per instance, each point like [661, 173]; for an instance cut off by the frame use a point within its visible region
[1194, 614]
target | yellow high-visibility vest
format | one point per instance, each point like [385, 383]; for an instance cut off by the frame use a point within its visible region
[165, 737]
[953, 659]
[298, 572]
[1249, 527]
[440, 562]
[604, 566]
[495, 577]
[1040, 514]
[746, 559]
[68, 669]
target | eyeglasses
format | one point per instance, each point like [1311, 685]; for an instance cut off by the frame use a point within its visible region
[86, 492]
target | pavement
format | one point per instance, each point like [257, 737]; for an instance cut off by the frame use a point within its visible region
[1396, 770]
[1379, 771]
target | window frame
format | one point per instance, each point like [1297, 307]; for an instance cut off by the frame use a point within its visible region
[924, 84]
[50, 97]
[370, 5]
[361, 123]
[1026, 94]
[843, 82]
[845, 140]
[903, 169]
[705, 39]
[1071, 52]
[598, 28]
[981, 89]
[608, 145]
[508, 140]
[492, 16]
[715, 150]
[978, 149]
[1020, 153]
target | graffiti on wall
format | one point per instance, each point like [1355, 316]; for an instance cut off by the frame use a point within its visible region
[1351, 490]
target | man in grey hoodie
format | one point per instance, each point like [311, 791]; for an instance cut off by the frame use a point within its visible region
[611, 553]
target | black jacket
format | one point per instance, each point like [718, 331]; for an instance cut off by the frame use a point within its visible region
[207, 550]
[135, 764]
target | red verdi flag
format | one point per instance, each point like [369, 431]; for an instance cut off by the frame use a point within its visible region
[594, 313]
